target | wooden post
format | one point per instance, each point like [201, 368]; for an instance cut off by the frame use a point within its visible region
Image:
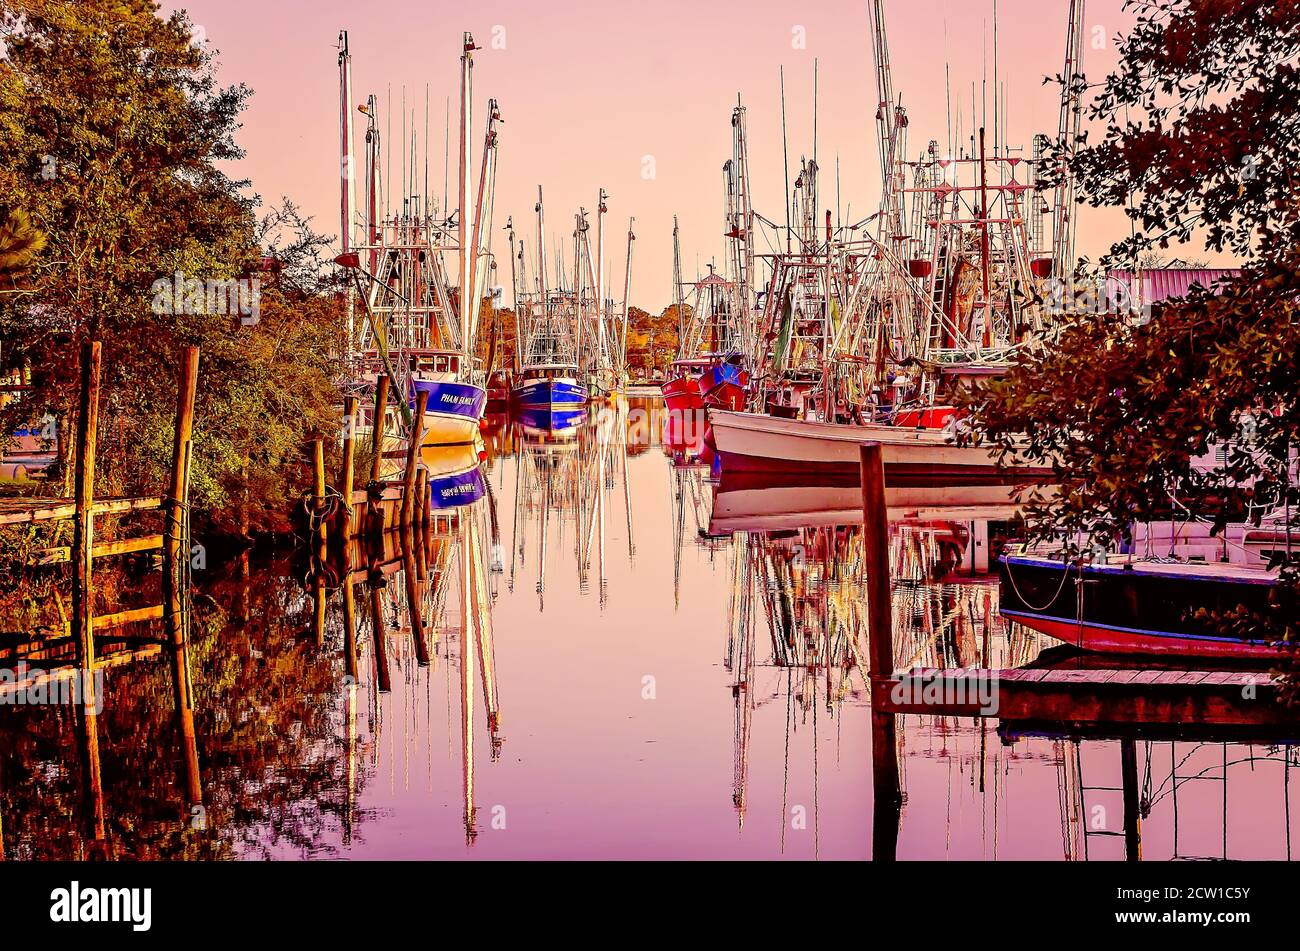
[349, 621]
[318, 507]
[875, 537]
[176, 504]
[884, 736]
[83, 544]
[176, 552]
[1129, 783]
[377, 431]
[414, 592]
[83, 536]
[345, 467]
[420, 524]
[413, 457]
[383, 679]
[318, 492]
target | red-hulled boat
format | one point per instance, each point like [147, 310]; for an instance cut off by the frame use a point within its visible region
[724, 384]
[682, 388]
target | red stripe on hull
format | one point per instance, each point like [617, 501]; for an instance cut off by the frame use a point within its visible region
[1107, 641]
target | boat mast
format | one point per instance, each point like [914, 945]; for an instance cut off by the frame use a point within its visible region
[603, 351]
[346, 169]
[514, 290]
[677, 292]
[465, 240]
[541, 263]
[627, 290]
[1068, 129]
[483, 224]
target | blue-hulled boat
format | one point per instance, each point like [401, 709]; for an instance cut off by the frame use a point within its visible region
[455, 407]
[550, 386]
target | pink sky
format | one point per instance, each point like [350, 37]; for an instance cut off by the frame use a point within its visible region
[588, 90]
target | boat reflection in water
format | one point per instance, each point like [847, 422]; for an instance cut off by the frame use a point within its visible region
[526, 678]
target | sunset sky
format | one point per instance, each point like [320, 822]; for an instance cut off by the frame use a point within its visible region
[589, 90]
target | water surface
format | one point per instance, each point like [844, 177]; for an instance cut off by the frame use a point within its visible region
[631, 687]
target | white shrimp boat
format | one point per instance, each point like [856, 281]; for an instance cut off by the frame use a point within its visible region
[752, 442]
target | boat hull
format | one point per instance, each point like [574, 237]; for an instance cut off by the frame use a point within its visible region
[1148, 609]
[751, 442]
[453, 412]
[549, 394]
[723, 385]
[682, 393]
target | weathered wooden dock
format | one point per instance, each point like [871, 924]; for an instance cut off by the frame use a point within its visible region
[1089, 696]
[82, 644]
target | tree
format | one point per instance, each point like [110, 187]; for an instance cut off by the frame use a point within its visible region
[20, 243]
[112, 128]
[1201, 141]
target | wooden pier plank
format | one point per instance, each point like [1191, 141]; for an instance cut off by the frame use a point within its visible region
[1104, 696]
[25, 511]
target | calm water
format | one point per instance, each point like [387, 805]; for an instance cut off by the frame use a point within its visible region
[631, 688]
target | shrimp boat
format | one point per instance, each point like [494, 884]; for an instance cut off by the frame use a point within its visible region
[757, 443]
[419, 324]
[710, 367]
[500, 383]
[455, 407]
[548, 327]
[550, 386]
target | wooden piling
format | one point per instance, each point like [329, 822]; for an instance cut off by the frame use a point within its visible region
[377, 431]
[349, 621]
[383, 679]
[176, 506]
[82, 621]
[1132, 807]
[420, 524]
[176, 552]
[413, 458]
[346, 479]
[322, 536]
[318, 491]
[83, 536]
[875, 538]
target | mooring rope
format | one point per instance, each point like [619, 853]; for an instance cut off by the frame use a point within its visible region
[1061, 587]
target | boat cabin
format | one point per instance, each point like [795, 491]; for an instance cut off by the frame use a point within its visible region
[550, 371]
[434, 364]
